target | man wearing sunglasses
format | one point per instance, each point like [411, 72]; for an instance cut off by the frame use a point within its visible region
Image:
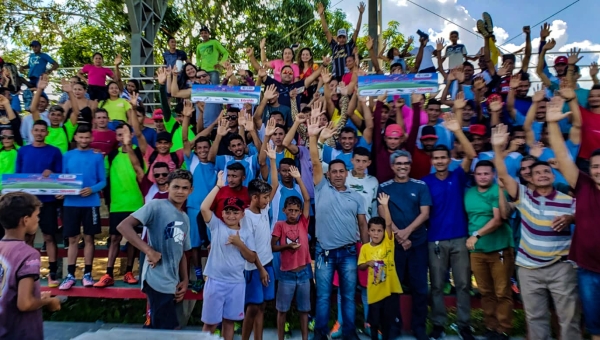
[158, 190]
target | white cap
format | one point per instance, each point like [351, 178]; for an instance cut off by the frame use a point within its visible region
[342, 32]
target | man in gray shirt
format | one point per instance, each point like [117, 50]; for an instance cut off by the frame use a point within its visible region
[340, 215]
[165, 271]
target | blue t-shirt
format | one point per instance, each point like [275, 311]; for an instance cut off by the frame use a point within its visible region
[447, 219]
[406, 200]
[548, 154]
[454, 164]
[149, 134]
[330, 154]
[205, 178]
[38, 64]
[90, 164]
[445, 136]
[250, 163]
[537, 127]
[512, 161]
[35, 160]
[278, 202]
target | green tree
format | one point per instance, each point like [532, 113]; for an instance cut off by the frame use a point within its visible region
[392, 37]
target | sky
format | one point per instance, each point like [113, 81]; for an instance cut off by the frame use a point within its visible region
[577, 26]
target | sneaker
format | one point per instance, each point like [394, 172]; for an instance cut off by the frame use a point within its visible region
[514, 286]
[217, 333]
[129, 278]
[437, 333]
[311, 324]
[68, 282]
[481, 28]
[105, 281]
[287, 331]
[336, 331]
[465, 333]
[87, 280]
[487, 21]
[197, 286]
[237, 328]
[52, 281]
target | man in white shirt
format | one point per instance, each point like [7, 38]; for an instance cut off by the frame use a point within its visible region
[27, 121]
[424, 53]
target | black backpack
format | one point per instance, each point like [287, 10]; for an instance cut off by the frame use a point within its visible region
[111, 156]
[174, 158]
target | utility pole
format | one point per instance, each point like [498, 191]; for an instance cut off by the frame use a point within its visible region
[375, 9]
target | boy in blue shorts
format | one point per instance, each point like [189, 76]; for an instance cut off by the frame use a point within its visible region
[231, 247]
[260, 278]
[290, 237]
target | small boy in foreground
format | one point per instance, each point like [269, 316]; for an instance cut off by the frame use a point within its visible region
[20, 297]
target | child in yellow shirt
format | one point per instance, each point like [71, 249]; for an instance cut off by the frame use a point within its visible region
[383, 285]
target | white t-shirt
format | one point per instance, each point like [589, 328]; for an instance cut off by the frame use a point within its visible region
[367, 188]
[427, 60]
[455, 55]
[259, 226]
[225, 261]
[27, 126]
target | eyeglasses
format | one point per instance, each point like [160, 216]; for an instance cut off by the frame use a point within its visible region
[161, 174]
[402, 163]
[231, 117]
[9, 137]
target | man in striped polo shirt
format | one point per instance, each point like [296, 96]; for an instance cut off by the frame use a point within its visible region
[542, 254]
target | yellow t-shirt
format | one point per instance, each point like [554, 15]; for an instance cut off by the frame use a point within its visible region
[383, 280]
[336, 116]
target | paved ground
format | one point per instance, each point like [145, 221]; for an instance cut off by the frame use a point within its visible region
[101, 331]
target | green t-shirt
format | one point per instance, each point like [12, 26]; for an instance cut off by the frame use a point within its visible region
[61, 136]
[117, 109]
[207, 55]
[177, 141]
[479, 207]
[125, 193]
[8, 162]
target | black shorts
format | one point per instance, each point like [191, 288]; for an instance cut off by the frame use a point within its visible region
[76, 217]
[97, 92]
[116, 218]
[163, 314]
[49, 218]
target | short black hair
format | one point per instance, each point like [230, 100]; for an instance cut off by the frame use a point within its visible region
[376, 220]
[292, 200]
[595, 87]
[524, 76]
[202, 139]
[485, 163]
[506, 57]
[361, 151]
[258, 187]
[441, 148]
[123, 125]
[41, 122]
[159, 165]
[235, 136]
[236, 166]
[83, 128]
[287, 161]
[468, 64]
[16, 205]
[595, 153]
[180, 174]
[454, 32]
[170, 38]
[528, 158]
[274, 113]
[517, 128]
[540, 163]
[348, 129]
[433, 101]
[233, 109]
[337, 161]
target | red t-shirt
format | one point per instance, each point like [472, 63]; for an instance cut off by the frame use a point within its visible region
[421, 164]
[290, 233]
[105, 141]
[584, 245]
[590, 133]
[225, 193]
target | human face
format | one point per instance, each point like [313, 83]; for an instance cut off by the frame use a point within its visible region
[523, 88]
[163, 147]
[510, 65]
[393, 143]
[376, 233]
[542, 176]
[454, 38]
[237, 147]
[347, 141]
[595, 169]
[440, 160]
[42, 104]
[232, 119]
[323, 120]
[131, 87]
[360, 163]
[78, 91]
[31, 222]
[172, 44]
[288, 55]
[202, 78]
[159, 125]
[263, 200]
[306, 56]
[113, 90]
[235, 178]
[56, 117]
[561, 69]
[97, 59]
[8, 139]
[333, 86]
[594, 99]
[120, 134]
[190, 71]
[385, 115]
[278, 119]
[350, 62]
[468, 71]
[433, 112]
[161, 175]
[525, 171]
[205, 35]
[544, 136]
[484, 176]
[397, 70]
[36, 49]
[401, 167]
[520, 135]
[292, 213]
[468, 113]
[202, 149]
[337, 175]
[232, 217]
[83, 140]
[39, 133]
[428, 144]
[341, 40]
[285, 174]
[278, 137]
[540, 113]
[478, 143]
[101, 119]
[287, 75]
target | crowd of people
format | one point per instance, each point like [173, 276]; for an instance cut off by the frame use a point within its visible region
[314, 187]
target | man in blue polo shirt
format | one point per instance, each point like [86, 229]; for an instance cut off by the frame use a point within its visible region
[340, 218]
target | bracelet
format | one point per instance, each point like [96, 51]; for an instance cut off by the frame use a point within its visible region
[569, 100]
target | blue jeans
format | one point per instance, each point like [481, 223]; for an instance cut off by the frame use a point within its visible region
[214, 78]
[344, 261]
[363, 298]
[411, 267]
[589, 292]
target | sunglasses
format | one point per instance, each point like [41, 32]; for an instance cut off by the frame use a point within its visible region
[161, 174]
[287, 72]
[202, 75]
[231, 117]
[9, 137]
[402, 163]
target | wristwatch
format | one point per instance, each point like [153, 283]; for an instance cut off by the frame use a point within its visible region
[476, 234]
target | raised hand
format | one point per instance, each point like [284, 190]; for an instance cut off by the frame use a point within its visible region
[320, 8]
[66, 85]
[414, 97]
[382, 97]
[249, 125]
[536, 149]
[43, 82]
[550, 45]
[460, 73]
[161, 75]
[262, 72]
[326, 76]
[369, 43]
[539, 94]
[313, 125]
[526, 29]
[230, 70]
[410, 40]
[459, 101]
[220, 179]
[545, 31]
[271, 127]
[514, 82]
[451, 123]
[554, 109]
[126, 136]
[118, 60]
[593, 69]
[263, 43]
[499, 135]
[343, 89]
[242, 119]
[478, 84]
[439, 44]
[566, 90]
[573, 56]
[301, 118]
[133, 99]
[328, 131]
[294, 172]
[249, 52]
[270, 92]
[271, 151]
[223, 127]
[361, 7]
[383, 198]
[171, 70]
[188, 108]
[503, 70]
[317, 109]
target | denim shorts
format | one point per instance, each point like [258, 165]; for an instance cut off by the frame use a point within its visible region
[589, 292]
[290, 284]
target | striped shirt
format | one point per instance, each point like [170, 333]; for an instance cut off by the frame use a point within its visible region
[541, 246]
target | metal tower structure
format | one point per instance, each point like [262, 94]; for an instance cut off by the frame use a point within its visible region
[145, 17]
[375, 9]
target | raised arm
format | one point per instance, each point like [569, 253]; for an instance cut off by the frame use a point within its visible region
[221, 132]
[510, 98]
[373, 55]
[527, 57]
[252, 59]
[188, 110]
[118, 79]
[135, 162]
[317, 72]
[453, 124]
[594, 72]
[329, 105]
[175, 91]
[305, 196]
[384, 200]
[262, 156]
[321, 11]
[313, 132]
[274, 180]
[263, 54]
[210, 198]
[41, 86]
[542, 61]
[135, 124]
[528, 124]
[361, 10]
[68, 88]
[499, 140]
[554, 114]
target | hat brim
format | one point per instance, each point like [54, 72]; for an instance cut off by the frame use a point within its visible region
[429, 137]
[233, 207]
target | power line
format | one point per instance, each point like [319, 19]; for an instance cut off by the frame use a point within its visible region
[309, 21]
[543, 21]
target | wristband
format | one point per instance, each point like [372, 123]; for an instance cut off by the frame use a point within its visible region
[569, 100]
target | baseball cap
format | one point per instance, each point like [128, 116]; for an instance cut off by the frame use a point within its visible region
[393, 130]
[341, 32]
[205, 28]
[561, 60]
[157, 114]
[234, 203]
[35, 43]
[477, 129]
[165, 136]
[428, 132]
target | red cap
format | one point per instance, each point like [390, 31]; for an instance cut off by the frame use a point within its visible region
[157, 114]
[393, 130]
[492, 97]
[561, 60]
[477, 129]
